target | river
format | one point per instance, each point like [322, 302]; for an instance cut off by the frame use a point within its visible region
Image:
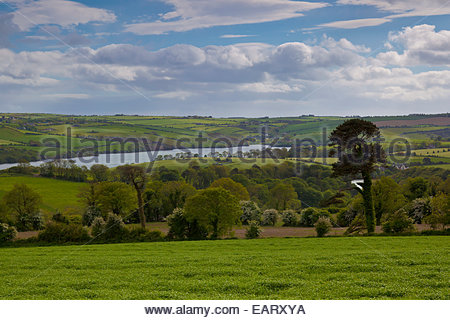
[116, 159]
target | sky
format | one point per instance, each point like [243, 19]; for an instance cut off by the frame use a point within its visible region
[225, 58]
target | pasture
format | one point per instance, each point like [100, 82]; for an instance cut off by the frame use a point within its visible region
[309, 268]
[56, 194]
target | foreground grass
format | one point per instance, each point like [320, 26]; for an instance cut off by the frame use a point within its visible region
[311, 268]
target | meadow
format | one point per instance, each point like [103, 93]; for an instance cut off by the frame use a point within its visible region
[309, 268]
[56, 194]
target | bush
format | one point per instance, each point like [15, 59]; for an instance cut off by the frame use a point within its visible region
[98, 227]
[143, 235]
[75, 219]
[177, 224]
[290, 218]
[419, 209]
[115, 229]
[253, 230]
[31, 222]
[398, 222]
[59, 217]
[7, 233]
[180, 228]
[343, 219]
[440, 208]
[37, 221]
[250, 212]
[269, 217]
[57, 232]
[90, 214]
[323, 226]
[310, 216]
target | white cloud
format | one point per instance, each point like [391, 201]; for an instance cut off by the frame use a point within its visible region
[195, 14]
[398, 8]
[66, 96]
[60, 12]
[405, 8]
[232, 36]
[179, 95]
[331, 71]
[421, 45]
[357, 23]
[270, 87]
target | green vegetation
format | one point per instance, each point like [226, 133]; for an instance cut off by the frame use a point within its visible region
[311, 268]
[23, 136]
[56, 194]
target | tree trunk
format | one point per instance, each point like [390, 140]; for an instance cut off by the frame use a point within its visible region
[141, 208]
[369, 210]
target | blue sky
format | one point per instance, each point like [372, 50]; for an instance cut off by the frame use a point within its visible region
[225, 57]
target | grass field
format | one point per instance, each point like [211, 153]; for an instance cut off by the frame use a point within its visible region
[56, 194]
[309, 268]
[30, 130]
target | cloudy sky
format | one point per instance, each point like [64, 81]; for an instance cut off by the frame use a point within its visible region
[225, 57]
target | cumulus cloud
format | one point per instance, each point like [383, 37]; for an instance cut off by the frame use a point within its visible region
[194, 14]
[60, 12]
[330, 70]
[421, 45]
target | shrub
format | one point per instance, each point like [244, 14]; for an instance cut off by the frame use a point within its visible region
[419, 209]
[115, 229]
[398, 222]
[75, 219]
[343, 219]
[31, 222]
[37, 221]
[253, 230]
[7, 233]
[310, 216]
[440, 208]
[56, 232]
[90, 214]
[177, 224]
[98, 227]
[250, 212]
[154, 235]
[290, 218]
[269, 217]
[59, 217]
[323, 226]
[180, 228]
[143, 235]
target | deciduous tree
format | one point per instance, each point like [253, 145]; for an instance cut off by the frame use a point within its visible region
[215, 209]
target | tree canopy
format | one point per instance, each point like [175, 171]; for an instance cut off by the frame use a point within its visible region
[216, 209]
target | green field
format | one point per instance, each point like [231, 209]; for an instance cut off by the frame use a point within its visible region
[308, 268]
[56, 194]
[30, 131]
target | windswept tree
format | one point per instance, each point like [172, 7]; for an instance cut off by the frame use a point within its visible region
[137, 177]
[358, 152]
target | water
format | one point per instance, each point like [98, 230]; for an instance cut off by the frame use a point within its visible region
[116, 159]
